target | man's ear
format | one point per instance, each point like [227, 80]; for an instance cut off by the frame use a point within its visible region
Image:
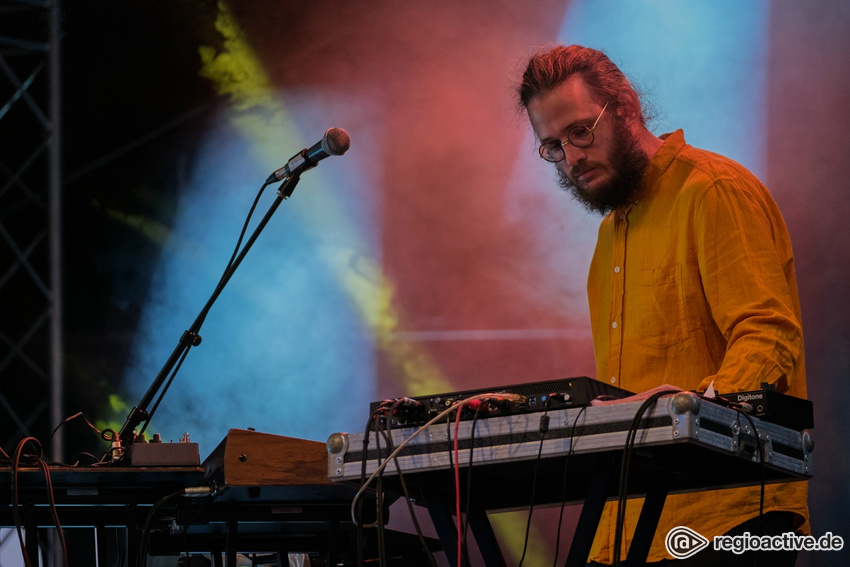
[629, 108]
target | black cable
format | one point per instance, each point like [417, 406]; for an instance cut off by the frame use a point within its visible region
[375, 424]
[245, 226]
[442, 415]
[625, 463]
[224, 276]
[740, 409]
[372, 424]
[149, 521]
[191, 337]
[544, 428]
[63, 422]
[379, 503]
[71, 418]
[163, 391]
[404, 489]
[451, 454]
[469, 479]
[564, 487]
[760, 449]
[762, 462]
[379, 488]
[449, 442]
[363, 461]
[93, 457]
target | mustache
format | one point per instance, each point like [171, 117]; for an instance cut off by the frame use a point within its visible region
[582, 167]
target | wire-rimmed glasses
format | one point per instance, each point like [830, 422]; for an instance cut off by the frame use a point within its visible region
[578, 136]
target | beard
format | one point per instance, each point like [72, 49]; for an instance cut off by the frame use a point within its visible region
[629, 164]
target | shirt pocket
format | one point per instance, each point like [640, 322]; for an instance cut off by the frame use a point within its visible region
[659, 316]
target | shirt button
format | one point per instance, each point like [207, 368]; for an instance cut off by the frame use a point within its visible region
[616, 269]
[614, 325]
[613, 379]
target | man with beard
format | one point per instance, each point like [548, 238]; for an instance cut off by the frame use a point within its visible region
[692, 282]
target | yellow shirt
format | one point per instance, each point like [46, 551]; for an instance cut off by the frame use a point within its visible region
[695, 283]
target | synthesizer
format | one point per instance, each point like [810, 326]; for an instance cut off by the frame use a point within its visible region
[704, 444]
[506, 400]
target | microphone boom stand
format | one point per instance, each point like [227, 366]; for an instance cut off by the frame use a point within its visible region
[139, 414]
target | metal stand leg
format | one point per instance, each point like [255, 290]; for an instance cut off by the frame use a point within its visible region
[230, 543]
[31, 528]
[443, 524]
[591, 511]
[647, 523]
[484, 536]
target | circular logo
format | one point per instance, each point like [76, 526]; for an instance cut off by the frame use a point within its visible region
[682, 542]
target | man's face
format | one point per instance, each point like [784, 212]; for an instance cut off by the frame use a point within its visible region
[604, 175]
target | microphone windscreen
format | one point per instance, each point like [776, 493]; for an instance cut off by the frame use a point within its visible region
[336, 142]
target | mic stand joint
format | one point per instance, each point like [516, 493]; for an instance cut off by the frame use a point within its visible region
[190, 339]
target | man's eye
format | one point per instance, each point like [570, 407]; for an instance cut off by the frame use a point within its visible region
[580, 133]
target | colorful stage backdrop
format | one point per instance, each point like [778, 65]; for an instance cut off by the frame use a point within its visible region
[437, 254]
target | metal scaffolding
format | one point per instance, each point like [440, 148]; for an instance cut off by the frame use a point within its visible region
[31, 352]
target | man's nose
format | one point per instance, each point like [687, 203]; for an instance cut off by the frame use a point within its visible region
[572, 154]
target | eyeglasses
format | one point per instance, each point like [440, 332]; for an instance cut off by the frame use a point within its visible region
[578, 136]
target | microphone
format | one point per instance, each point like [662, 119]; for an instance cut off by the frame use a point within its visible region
[335, 142]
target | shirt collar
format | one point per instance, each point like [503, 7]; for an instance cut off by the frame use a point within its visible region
[674, 142]
[660, 162]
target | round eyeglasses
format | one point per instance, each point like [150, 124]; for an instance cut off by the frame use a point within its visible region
[578, 136]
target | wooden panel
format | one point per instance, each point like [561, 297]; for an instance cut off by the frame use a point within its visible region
[251, 458]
